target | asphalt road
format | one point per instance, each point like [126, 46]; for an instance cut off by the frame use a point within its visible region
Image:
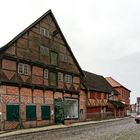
[125, 129]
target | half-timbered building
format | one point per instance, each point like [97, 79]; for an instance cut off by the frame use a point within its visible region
[99, 92]
[40, 78]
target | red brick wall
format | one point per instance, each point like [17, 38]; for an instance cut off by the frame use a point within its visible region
[24, 96]
[82, 102]
[124, 95]
[93, 109]
[37, 71]
[8, 64]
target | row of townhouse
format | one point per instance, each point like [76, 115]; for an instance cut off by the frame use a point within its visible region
[41, 82]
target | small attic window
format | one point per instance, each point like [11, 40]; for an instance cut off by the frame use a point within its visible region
[25, 35]
[44, 31]
[14, 44]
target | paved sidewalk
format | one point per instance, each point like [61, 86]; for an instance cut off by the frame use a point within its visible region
[52, 127]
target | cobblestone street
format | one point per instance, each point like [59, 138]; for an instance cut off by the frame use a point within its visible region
[118, 130]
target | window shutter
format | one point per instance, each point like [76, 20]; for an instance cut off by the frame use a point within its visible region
[31, 112]
[12, 112]
[45, 112]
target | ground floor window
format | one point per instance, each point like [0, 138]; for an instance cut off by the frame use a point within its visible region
[12, 112]
[71, 108]
[45, 112]
[30, 112]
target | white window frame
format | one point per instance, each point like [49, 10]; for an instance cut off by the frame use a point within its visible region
[44, 32]
[20, 68]
[71, 108]
[23, 68]
[46, 73]
[68, 78]
[26, 69]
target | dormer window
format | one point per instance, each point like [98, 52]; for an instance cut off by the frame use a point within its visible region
[44, 31]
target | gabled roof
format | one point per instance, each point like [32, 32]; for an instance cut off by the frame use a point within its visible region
[97, 83]
[49, 12]
[114, 83]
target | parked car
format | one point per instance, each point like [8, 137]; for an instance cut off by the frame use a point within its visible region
[137, 119]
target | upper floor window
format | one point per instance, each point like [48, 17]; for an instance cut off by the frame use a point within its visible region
[54, 58]
[52, 79]
[44, 51]
[60, 76]
[46, 73]
[68, 78]
[23, 68]
[44, 31]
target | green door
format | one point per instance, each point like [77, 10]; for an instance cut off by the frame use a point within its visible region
[59, 111]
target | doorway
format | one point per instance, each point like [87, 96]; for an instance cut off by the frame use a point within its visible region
[59, 111]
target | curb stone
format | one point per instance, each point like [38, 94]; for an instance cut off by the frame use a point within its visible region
[5, 134]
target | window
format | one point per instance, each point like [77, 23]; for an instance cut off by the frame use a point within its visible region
[61, 57]
[23, 68]
[44, 51]
[30, 112]
[46, 73]
[68, 78]
[25, 35]
[44, 31]
[71, 108]
[45, 112]
[52, 79]
[26, 69]
[60, 76]
[54, 58]
[20, 68]
[12, 112]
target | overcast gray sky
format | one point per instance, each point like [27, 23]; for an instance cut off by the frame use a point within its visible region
[103, 34]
